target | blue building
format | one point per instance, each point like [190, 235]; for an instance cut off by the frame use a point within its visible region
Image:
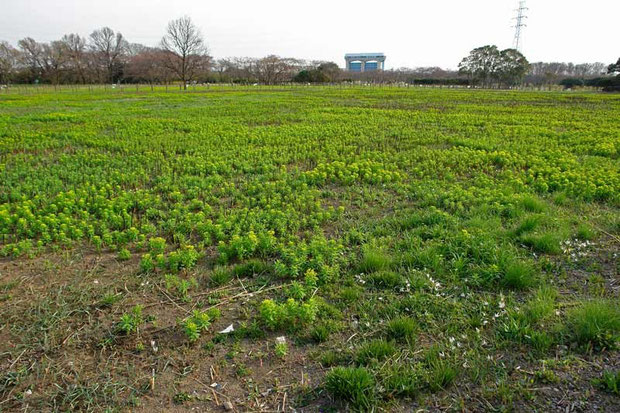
[364, 62]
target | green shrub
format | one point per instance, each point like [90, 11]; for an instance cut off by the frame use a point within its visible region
[157, 245]
[124, 254]
[355, 386]
[185, 257]
[281, 349]
[146, 263]
[194, 325]
[290, 315]
[130, 322]
[179, 287]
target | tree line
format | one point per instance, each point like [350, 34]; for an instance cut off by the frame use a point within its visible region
[106, 56]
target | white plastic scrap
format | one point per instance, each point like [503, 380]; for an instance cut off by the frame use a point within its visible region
[228, 329]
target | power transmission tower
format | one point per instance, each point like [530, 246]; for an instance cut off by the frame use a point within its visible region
[520, 23]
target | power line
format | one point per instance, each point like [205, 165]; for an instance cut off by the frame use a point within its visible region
[520, 24]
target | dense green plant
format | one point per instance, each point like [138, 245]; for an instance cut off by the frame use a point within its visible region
[352, 385]
[196, 324]
[402, 329]
[609, 382]
[130, 322]
[289, 315]
[595, 324]
[377, 349]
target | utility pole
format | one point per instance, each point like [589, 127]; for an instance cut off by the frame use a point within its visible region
[520, 23]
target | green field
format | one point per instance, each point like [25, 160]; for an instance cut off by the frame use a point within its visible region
[416, 248]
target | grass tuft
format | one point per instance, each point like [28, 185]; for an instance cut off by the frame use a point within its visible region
[402, 329]
[532, 204]
[545, 243]
[385, 279]
[609, 382]
[374, 260]
[220, 276]
[518, 275]
[352, 385]
[595, 324]
[377, 349]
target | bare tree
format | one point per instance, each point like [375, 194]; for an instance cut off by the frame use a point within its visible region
[274, 69]
[54, 56]
[8, 61]
[110, 49]
[186, 49]
[31, 54]
[77, 59]
[149, 65]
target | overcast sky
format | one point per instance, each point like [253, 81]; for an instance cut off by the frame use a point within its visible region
[410, 32]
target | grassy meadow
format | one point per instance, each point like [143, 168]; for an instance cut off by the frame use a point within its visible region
[375, 249]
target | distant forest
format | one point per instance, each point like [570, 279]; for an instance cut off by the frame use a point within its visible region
[106, 56]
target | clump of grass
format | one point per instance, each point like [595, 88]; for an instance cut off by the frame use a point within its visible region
[374, 260]
[350, 294]
[595, 324]
[528, 224]
[532, 204]
[609, 382]
[330, 358]
[585, 233]
[547, 243]
[377, 349]
[440, 375]
[518, 275]
[540, 306]
[253, 268]
[220, 276]
[385, 279]
[403, 381]
[402, 329]
[355, 386]
[441, 372]
[109, 299]
[320, 333]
